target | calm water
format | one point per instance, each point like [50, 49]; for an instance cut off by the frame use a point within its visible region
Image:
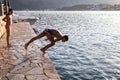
[93, 49]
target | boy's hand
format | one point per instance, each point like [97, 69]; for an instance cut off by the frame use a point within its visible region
[25, 46]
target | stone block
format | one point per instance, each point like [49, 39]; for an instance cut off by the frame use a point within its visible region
[48, 66]
[35, 71]
[51, 74]
[36, 77]
[16, 77]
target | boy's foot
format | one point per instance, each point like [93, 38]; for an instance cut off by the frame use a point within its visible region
[43, 54]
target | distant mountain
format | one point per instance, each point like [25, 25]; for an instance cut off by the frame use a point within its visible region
[92, 7]
[41, 4]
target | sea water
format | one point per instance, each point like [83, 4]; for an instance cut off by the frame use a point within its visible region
[93, 49]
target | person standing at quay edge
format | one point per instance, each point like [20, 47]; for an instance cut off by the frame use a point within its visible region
[52, 35]
[8, 20]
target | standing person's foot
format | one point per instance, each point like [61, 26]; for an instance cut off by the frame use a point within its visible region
[9, 45]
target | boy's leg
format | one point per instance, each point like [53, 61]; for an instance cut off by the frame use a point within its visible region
[50, 37]
[34, 38]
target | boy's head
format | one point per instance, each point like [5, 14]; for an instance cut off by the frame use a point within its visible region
[65, 38]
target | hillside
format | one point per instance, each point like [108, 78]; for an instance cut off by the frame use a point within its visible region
[92, 7]
[41, 4]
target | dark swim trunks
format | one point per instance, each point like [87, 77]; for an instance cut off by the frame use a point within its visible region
[49, 31]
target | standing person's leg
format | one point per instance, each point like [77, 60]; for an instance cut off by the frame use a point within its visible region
[50, 37]
[7, 36]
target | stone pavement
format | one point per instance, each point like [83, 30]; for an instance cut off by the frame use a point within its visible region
[14, 65]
